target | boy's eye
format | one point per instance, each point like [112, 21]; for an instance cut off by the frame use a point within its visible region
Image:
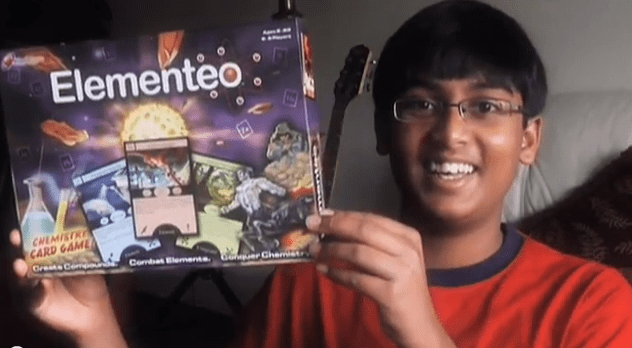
[415, 109]
[422, 105]
[485, 106]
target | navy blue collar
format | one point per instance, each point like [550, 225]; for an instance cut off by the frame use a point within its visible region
[512, 244]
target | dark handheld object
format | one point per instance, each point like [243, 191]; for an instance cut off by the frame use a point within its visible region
[354, 79]
[287, 9]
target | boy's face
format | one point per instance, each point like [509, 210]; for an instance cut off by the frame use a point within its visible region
[453, 169]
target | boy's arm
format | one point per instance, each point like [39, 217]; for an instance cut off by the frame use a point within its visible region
[108, 335]
[79, 306]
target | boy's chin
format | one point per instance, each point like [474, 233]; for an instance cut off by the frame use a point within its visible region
[442, 213]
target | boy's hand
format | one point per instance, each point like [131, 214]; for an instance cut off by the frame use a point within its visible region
[79, 305]
[386, 263]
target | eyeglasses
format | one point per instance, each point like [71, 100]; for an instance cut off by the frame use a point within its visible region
[411, 110]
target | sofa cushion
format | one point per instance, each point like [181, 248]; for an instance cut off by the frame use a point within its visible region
[582, 132]
[595, 220]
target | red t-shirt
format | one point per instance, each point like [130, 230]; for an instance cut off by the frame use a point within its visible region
[526, 295]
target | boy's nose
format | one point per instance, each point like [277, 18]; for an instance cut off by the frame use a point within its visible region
[451, 128]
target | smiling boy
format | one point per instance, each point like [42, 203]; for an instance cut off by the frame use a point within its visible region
[458, 90]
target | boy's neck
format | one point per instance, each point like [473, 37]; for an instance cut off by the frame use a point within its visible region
[448, 246]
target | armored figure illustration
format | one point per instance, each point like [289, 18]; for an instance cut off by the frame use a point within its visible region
[269, 213]
[248, 194]
[285, 142]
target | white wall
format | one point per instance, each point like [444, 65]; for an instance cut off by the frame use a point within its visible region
[585, 45]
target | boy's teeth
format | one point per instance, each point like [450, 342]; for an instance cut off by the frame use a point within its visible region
[451, 168]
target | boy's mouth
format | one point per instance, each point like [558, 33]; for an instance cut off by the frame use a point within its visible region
[450, 170]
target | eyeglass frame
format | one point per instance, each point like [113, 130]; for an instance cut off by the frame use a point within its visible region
[514, 108]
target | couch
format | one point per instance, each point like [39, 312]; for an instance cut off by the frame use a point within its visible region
[577, 197]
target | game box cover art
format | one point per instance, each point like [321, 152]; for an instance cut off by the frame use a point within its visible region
[183, 149]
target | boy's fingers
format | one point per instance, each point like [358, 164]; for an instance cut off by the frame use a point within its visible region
[15, 238]
[363, 258]
[348, 222]
[32, 289]
[390, 237]
[28, 285]
[366, 284]
[47, 284]
[20, 268]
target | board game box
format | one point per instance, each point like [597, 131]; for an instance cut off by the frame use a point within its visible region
[182, 149]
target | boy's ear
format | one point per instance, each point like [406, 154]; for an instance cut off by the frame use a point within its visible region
[382, 130]
[531, 139]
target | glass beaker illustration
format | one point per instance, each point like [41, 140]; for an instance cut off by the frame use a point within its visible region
[37, 220]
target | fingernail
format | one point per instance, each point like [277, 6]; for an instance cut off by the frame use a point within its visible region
[327, 212]
[312, 221]
[322, 268]
[14, 237]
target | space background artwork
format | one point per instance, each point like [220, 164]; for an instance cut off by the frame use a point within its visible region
[182, 149]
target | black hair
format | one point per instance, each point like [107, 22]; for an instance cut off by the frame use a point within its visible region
[460, 39]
